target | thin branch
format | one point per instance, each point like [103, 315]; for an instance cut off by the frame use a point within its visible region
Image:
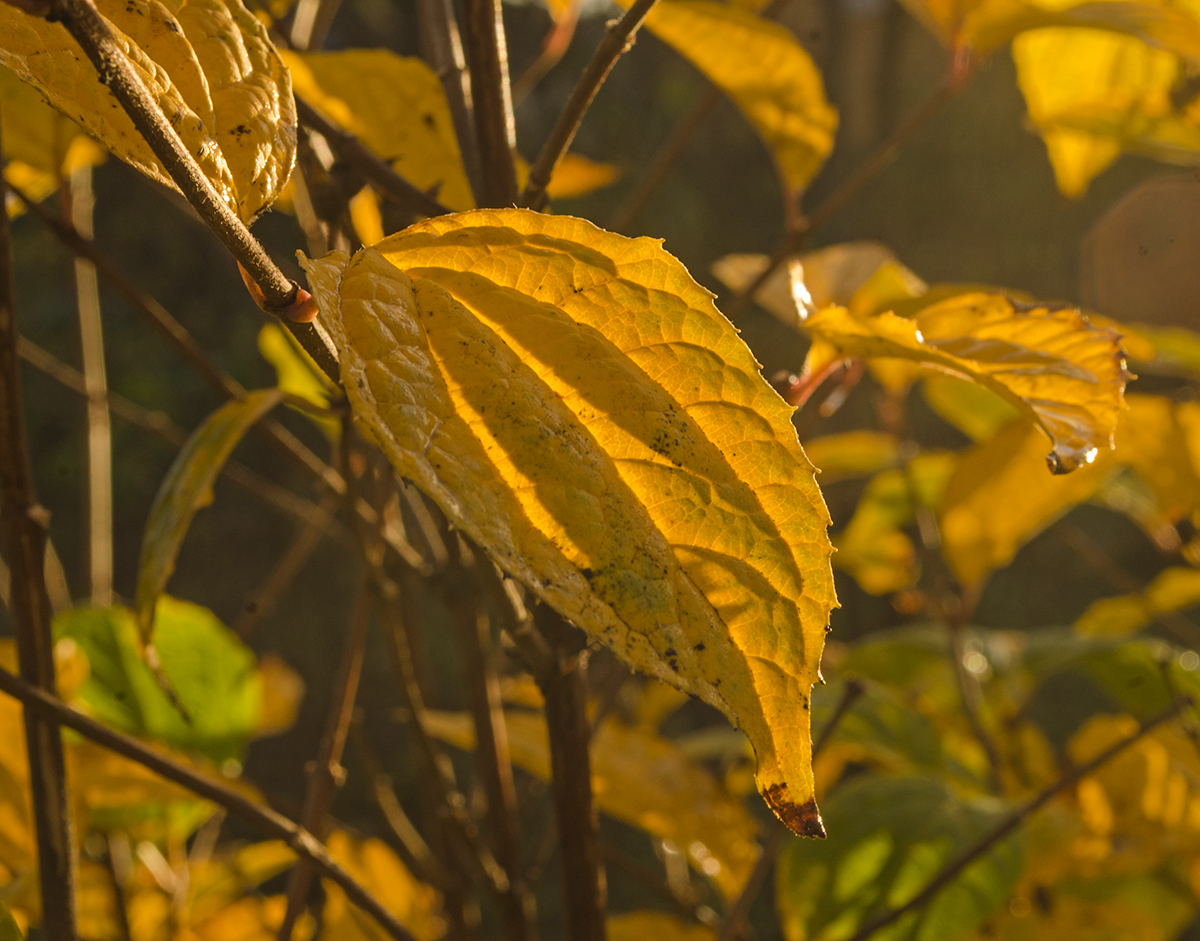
[99, 425]
[23, 523]
[1068, 779]
[311, 22]
[264, 818]
[373, 168]
[684, 905]
[617, 39]
[495, 129]
[735, 917]
[327, 773]
[883, 156]
[491, 752]
[278, 294]
[554, 47]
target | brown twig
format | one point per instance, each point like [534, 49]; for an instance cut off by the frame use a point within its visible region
[373, 168]
[23, 523]
[264, 818]
[617, 38]
[491, 753]
[564, 686]
[327, 772]
[1069, 778]
[279, 295]
[735, 917]
[491, 96]
[794, 241]
[554, 47]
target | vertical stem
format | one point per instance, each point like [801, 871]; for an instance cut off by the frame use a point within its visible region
[491, 752]
[99, 439]
[487, 59]
[564, 686]
[24, 537]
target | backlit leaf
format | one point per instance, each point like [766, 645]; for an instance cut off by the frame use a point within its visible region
[296, 373]
[210, 671]
[381, 872]
[1094, 94]
[852, 454]
[1050, 363]
[888, 838]
[768, 74]
[187, 488]
[641, 926]
[976, 411]
[396, 106]
[646, 781]
[574, 175]
[574, 402]
[207, 63]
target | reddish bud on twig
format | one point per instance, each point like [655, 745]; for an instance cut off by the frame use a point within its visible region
[302, 309]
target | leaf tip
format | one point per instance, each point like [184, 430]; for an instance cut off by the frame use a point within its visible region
[802, 819]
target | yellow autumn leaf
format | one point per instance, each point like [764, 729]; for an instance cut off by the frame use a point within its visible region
[396, 106]
[975, 410]
[574, 402]
[380, 871]
[1173, 589]
[646, 781]
[642, 926]
[1051, 364]
[767, 73]
[852, 454]
[1093, 95]
[207, 63]
[872, 547]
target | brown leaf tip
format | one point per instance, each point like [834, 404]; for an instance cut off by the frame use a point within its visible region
[802, 819]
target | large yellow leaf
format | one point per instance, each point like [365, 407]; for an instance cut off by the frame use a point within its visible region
[1050, 363]
[761, 66]
[574, 402]
[645, 780]
[396, 106]
[210, 67]
[1093, 94]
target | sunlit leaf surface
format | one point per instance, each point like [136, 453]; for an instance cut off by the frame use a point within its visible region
[574, 402]
[207, 63]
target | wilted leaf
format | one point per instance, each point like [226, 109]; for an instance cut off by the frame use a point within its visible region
[645, 780]
[207, 63]
[396, 106]
[1095, 94]
[872, 547]
[641, 926]
[852, 454]
[210, 671]
[1049, 363]
[768, 74]
[574, 402]
[888, 838]
[381, 872]
[187, 488]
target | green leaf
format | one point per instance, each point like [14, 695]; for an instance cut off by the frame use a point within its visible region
[396, 106]
[8, 925]
[296, 373]
[768, 74]
[209, 65]
[574, 402]
[888, 838]
[646, 781]
[187, 488]
[1051, 364]
[211, 672]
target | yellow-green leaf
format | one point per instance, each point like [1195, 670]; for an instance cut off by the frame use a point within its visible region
[852, 454]
[646, 781]
[1094, 94]
[872, 547]
[186, 489]
[641, 926]
[1050, 363]
[207, 63]
[574, 402]
[8, 925]
[975, 410]
[396, 106]
[768, 74]
[1172, 590]
[296, 373]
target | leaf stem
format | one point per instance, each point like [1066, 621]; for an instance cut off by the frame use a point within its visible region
[267, 820]
[280, 296]
[1069, 778]
[617, 39]
[327, 773]
[883, 155]
[23, 525]
[495, 129]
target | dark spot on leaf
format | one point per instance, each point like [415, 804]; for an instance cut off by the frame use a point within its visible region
[698, 647]
[429, 121]
[802, 819]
